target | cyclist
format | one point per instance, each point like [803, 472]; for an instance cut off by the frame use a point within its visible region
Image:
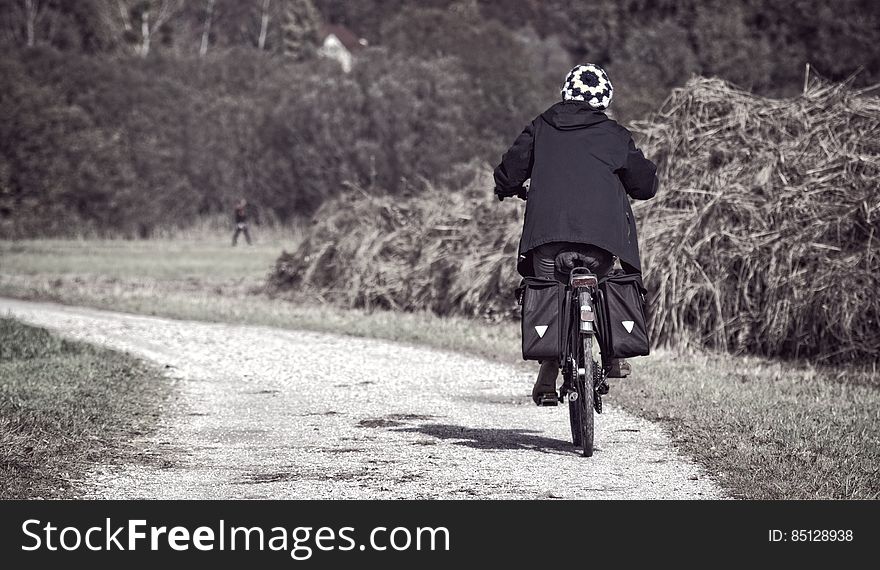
[582, 165]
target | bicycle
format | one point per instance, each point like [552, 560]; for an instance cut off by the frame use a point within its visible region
[584, 379]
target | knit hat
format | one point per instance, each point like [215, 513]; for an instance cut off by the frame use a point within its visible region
[588, 83]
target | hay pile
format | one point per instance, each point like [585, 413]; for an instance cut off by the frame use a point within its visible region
[766, 234]
[447, 252]
[763, 239]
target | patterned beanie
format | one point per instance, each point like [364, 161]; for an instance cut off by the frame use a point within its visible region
[588, 83]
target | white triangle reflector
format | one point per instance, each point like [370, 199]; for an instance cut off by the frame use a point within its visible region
[628, 325]
[541, 330]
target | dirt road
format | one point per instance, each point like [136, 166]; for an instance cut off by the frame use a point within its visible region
[271, 413]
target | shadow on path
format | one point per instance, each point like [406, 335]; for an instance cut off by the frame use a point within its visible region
[493, 438]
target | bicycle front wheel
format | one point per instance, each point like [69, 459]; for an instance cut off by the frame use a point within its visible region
[586, 393]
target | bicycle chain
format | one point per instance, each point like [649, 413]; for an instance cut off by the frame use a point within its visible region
[600, 388]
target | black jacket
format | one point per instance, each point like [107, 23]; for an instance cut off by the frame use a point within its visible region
[240, 215]
[582, 166]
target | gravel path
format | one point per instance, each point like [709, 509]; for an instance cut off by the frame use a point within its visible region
[271, 413]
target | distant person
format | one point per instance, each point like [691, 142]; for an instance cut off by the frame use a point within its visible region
[583, 167]
[241, 222]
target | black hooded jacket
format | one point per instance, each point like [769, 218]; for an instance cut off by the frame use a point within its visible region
[582, 166]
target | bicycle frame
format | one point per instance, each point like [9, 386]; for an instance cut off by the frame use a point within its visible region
[584, 378]
[580, 307]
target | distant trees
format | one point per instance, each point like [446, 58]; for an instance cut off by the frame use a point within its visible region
[648, 64]
[126, 115]
[103, 145]
[144, 19]
[85, 25]
[233, 24]
[206, 28]
[758, 44]
[141, 27]
[264, 23]
[32, 13]
[300, 28]
[504, 78]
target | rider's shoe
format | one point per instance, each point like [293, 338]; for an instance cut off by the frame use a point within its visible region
[544, 390]
[546, 399]
[619, 369]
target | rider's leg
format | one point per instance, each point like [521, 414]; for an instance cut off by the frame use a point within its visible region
[546, 382]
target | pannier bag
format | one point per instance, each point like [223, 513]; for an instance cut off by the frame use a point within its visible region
[542, 318]
[625, 330]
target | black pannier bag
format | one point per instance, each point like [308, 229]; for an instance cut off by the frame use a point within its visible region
[542, 318]
[625, 330]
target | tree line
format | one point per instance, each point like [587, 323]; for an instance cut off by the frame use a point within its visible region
[123, 116]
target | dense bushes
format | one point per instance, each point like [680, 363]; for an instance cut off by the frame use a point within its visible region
[762, 239]
[123, 145]
[100, 135]
[99, 144]
[649, 47]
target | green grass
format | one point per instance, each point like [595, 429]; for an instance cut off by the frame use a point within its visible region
[765, 429]
[166, 260]
[64, 407]
[769, 430]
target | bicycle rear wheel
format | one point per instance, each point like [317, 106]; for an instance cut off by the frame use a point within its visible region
[574, 407]
[586, 393]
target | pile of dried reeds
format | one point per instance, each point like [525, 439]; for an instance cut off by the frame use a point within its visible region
[446, 252]
[764, 237]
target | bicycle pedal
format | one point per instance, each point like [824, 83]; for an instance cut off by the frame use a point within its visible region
[600, 383]
[548, 399]
[597, 403]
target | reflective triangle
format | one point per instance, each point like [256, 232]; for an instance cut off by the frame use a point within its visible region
[541, 330]
[628, 325]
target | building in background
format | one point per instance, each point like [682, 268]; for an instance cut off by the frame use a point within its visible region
[339, 43]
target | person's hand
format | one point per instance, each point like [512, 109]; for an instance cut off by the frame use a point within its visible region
[568, 260]
[502, 193]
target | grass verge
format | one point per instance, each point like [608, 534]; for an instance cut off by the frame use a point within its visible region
[66, 406]
[764, 429]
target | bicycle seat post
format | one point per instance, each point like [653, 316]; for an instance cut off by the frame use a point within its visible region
[583, 280]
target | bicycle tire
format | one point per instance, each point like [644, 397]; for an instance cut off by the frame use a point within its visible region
[586, 393]
[574, 412]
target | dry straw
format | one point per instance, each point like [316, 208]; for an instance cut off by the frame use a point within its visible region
[763, 238]
[445, 252]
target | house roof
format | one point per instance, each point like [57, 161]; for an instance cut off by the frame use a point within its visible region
[348, 38]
